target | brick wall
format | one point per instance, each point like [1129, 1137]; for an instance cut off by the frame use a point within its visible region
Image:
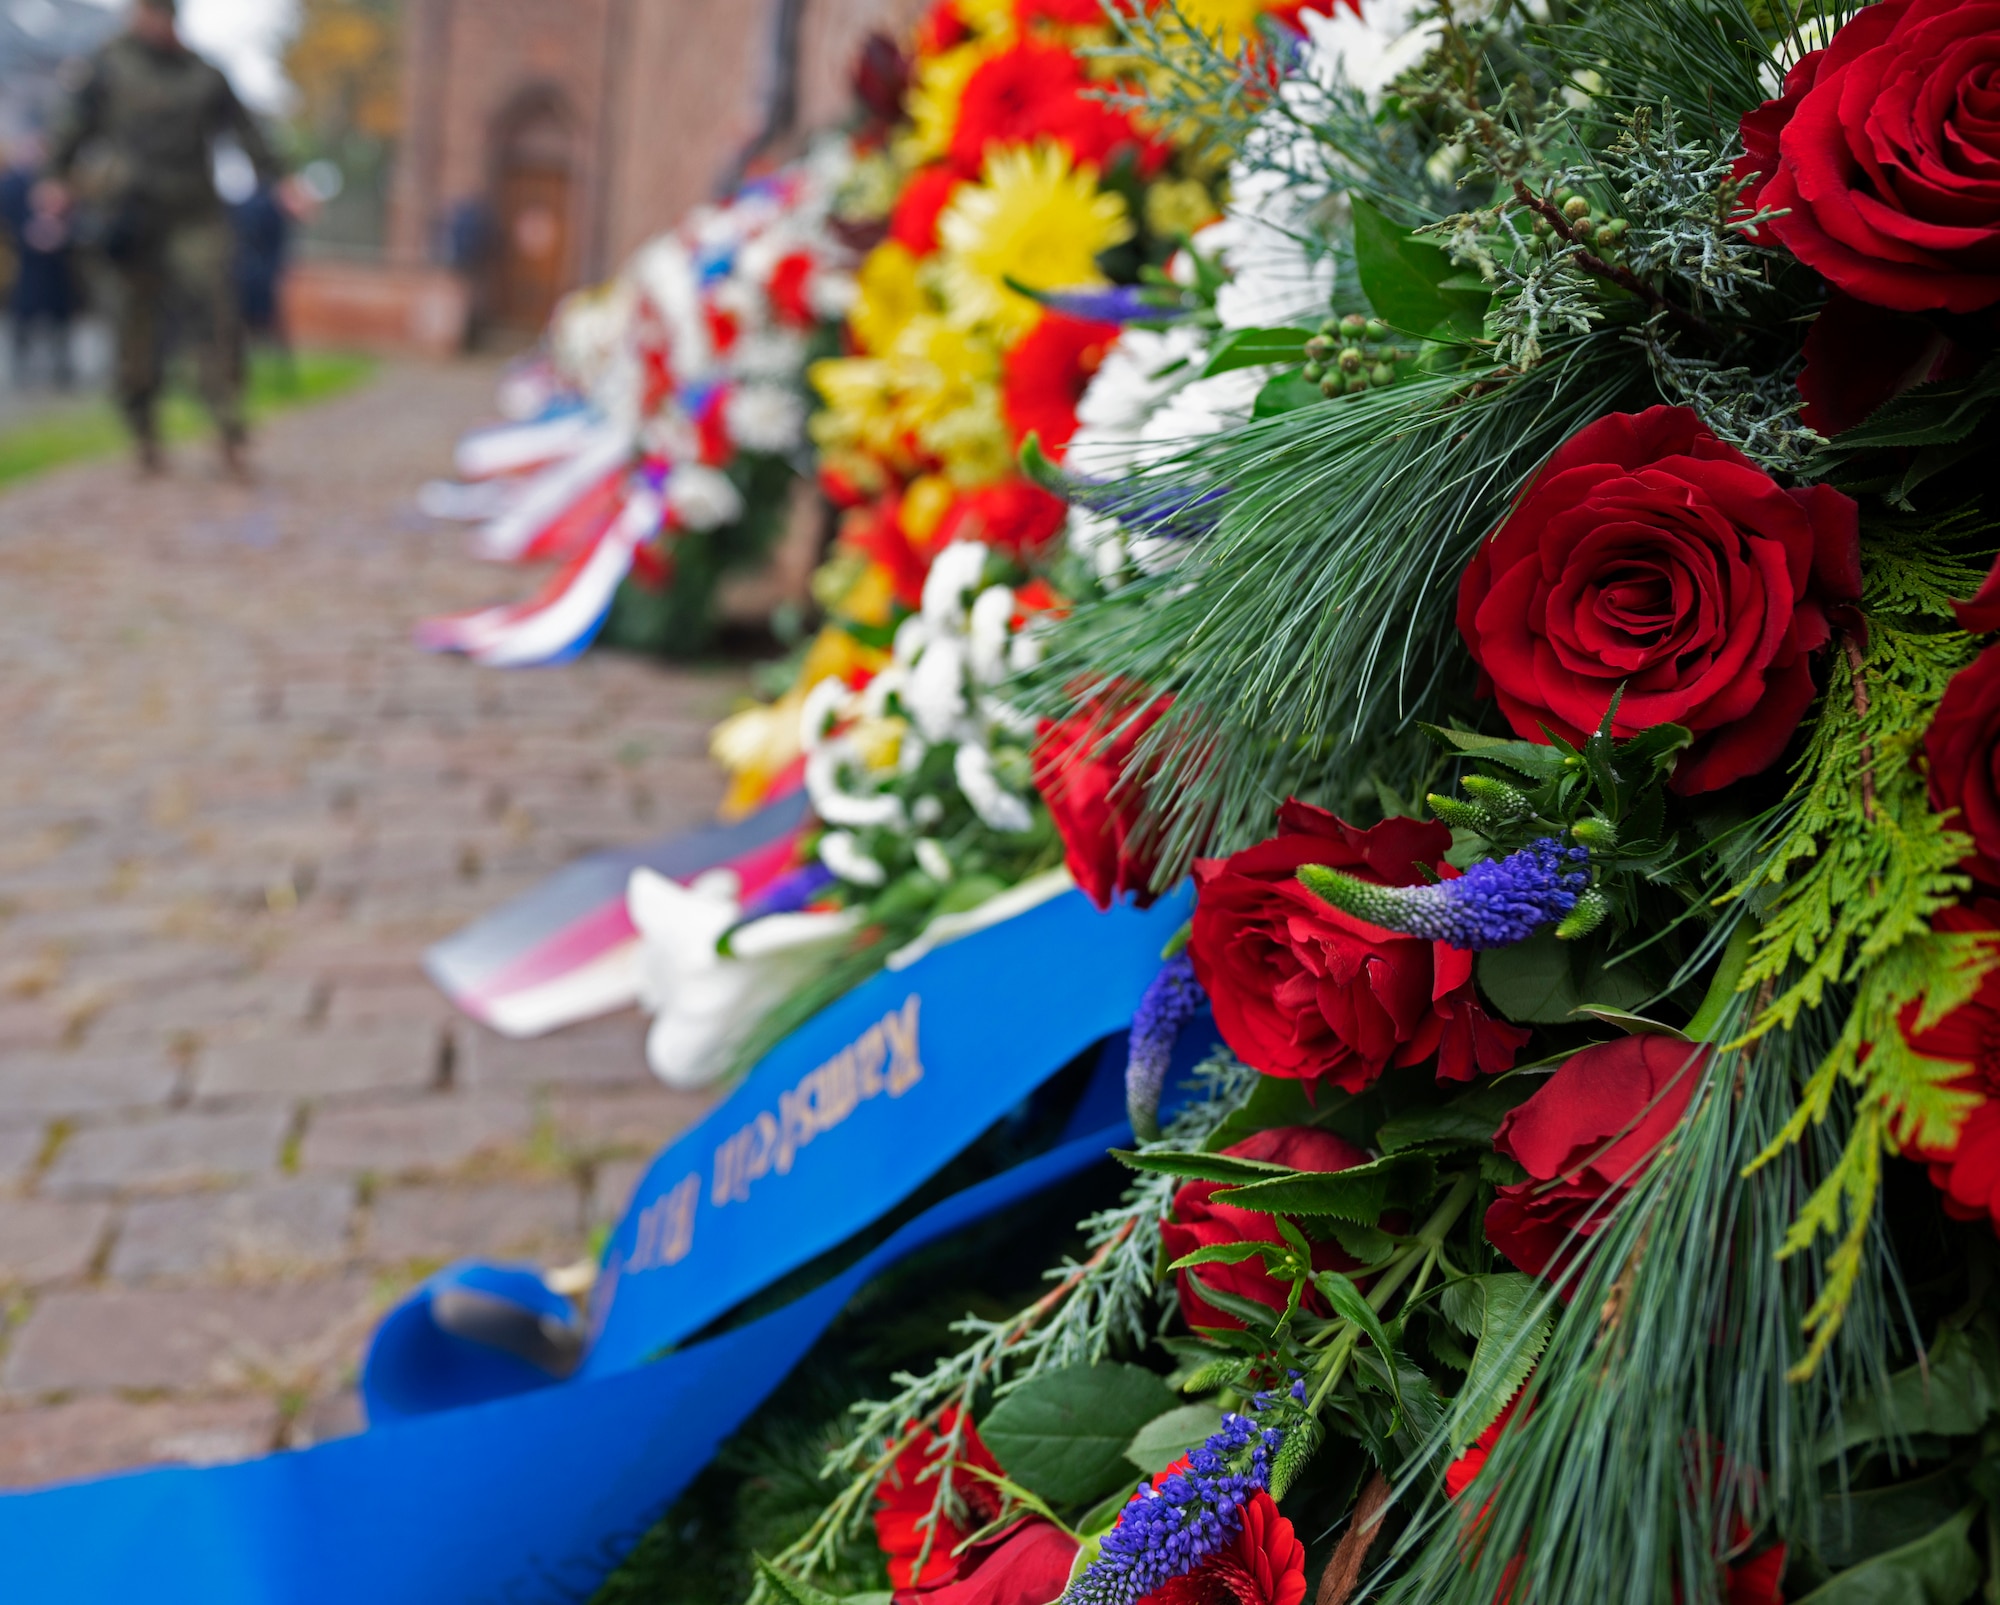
[659, 96]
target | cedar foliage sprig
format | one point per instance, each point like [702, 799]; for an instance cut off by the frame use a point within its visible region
[1859, 865]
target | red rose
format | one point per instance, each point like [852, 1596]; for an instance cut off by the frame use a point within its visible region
[1199, 1222]
[1963, 746]
[1304, 990]
[1045, 375]
[1080, 768]
[1886, 164]
[903, 1499]
[1265, 1564]
[1981, 613]
[1025, 1564]
[1647, 554]
[1584, 1139]
[1968, 1171]
[1859, 356]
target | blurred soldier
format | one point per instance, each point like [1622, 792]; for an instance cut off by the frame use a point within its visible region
[153, 109]
[43, 300]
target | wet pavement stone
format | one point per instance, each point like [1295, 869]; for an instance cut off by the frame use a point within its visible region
[235, 1119]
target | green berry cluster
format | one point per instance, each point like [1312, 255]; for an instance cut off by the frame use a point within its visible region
[1350, 355]
[1592, 226]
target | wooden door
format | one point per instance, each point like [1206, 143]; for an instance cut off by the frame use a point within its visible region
[533, 258]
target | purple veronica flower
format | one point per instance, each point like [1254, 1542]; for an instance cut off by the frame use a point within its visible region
[1168, 1531]
[1495, 903]
[1173, 998]
[1121, 303]
[789, 893]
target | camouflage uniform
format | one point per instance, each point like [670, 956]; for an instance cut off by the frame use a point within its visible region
[147, 118]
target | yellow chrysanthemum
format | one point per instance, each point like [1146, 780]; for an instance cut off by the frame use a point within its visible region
[1033, 218]
[1230, 23]
[889, 294]
[860, 414]
[1179, 206]
[947, 396]
[935, 92]
[990, 19]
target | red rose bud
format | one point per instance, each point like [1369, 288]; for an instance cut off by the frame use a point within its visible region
[1647, 554]
[1083, 767]
[1883, 156]
[1199, 1222]
[1963, 746]
[1967, 1169]
[1585, 1139]
[1306, 990]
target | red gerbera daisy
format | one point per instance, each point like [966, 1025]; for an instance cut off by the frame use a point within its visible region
[1016, 516]
[913, 224]
[1036, 91]
[1045, 376]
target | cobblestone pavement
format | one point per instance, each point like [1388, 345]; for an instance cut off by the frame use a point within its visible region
[235, 805]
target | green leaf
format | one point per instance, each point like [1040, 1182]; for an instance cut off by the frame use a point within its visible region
[1365, 1243]
[1941, 1568]
[1515, 1321]
[1257, 348]
[1934, 414]
[1865, 1524]
[1359, 1194]
[1284, 1101]
[1062, 1436]
[1544, 980]
[1226, 1254]
[1403, 277]
[1285, 392]
[790, 1589]
[1164, 1439]
[1466, 1122]
[1103, 1516]
[1530, 758]
[1256, 1317]
[1201, 1166]
[1953, 1394]
[1348, 1303]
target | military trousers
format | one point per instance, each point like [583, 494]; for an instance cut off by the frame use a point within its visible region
[174, 283]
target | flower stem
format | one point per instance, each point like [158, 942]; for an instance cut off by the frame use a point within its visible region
[1419, 1255]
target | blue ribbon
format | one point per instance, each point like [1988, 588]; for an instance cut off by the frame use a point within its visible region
[536, 1492]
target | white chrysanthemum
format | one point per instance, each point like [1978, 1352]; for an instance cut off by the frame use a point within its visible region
[935, 691]
[841, 853]
[771, 355]
[765, 418]
[987, 630]
[955, 575]
[996, 806]
[933, 860]
[665, 271]
[700, 497]
[830, 293]
[824, 706]
[834, 804]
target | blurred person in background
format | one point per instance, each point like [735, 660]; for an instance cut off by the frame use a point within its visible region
[263, 226]
[43, 300]
[149, 112]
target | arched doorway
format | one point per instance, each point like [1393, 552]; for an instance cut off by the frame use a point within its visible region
[532, 209]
